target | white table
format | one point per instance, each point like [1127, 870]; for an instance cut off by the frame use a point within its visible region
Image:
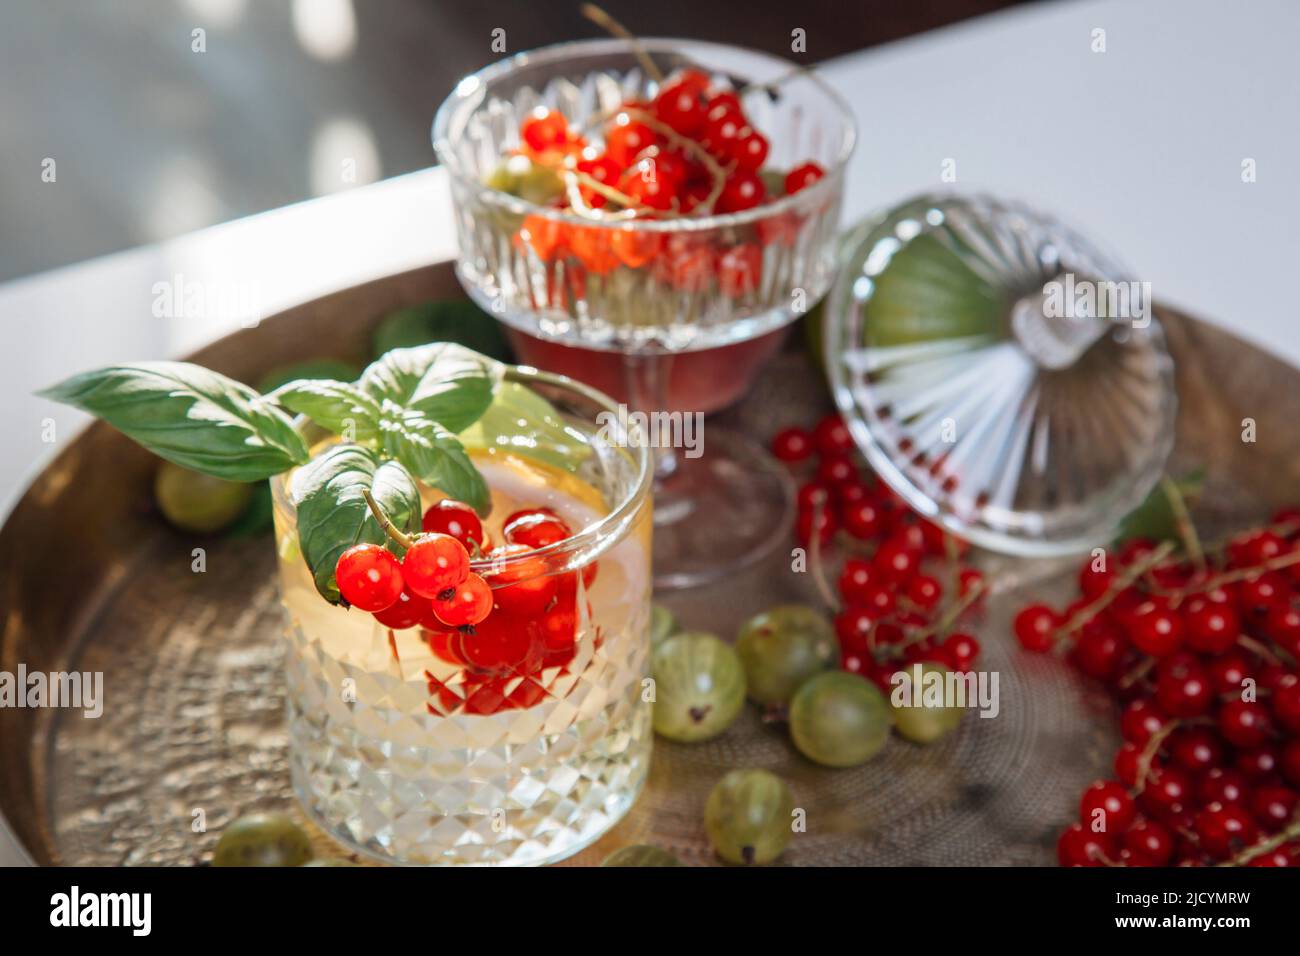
[1140, 147]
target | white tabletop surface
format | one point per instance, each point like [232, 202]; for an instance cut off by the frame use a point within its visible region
[1140, 147]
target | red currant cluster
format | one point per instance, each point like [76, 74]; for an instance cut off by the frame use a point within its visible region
[689, 151]
[500, 638]
[1202, 650]
[895, 614]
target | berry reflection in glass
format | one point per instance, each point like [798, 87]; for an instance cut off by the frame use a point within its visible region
[650, 217]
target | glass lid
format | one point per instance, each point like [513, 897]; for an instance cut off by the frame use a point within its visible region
[1003, 375]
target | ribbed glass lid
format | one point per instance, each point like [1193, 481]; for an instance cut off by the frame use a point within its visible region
[1004, 376]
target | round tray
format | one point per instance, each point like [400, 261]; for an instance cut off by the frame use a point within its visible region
[193, 730]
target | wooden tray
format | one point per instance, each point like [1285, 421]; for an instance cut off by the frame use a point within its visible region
[194, 712]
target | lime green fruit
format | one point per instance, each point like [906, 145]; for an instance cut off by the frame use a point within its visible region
[641, 855]
[194, 502]
[916, 721]
[663, 624]
[699, 687]
[520, 176]
[839, 719]
[781, 648]
[262, 839]
[749, 816]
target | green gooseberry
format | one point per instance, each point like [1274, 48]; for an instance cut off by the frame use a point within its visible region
[699, 687]
[781, 648]
[839, 719]
[749, 816]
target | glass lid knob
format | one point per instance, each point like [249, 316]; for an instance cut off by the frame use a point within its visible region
[1004, 376]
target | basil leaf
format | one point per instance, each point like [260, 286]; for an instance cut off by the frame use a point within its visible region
[333, 514]
[448, 383]
[190, 415]
[436, 457]
[522, 422]
[340, 407]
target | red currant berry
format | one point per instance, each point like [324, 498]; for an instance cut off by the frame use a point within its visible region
[1257, 595]
[878, 600]
[864, 520]
[1286, 706]
[722, 130]
[544, 129]
[1211, 628]
[1168, 791]
[369, 577]
[679, 106]
[855, 577]
[1079, 846]
[1221, 785]
[1107, 806]
[1182, 686]
[1279, 857]
[801, 177]
[744, 190]
[960, 651]
[925, 592]
[435, 563]
[535, 529]
[625, 138]
[1128, 764]
[528, 589]
[1035, 627]
[1224, 830]
[1195, 749]
[456, 519]
[832, 436]
[1244, 723]
[1094, 583]
[407, 611]
[826, 526]
[501, 643]
[1140, 721]
[1288, 762]
[897, 562]
[469, 603]
[1156, 630]
[1149, 843]
[812, 494]
[853, 628]
[1257, 763]
[1229, 672]
[1273, 807]
[645, 182]
[792, 444]
[968, 579]
[1100, 649]
[1282, 625]
[836, 469]
[750, 150]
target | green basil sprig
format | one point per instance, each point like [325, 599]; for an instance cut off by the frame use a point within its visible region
[399, 422]
[190, 415]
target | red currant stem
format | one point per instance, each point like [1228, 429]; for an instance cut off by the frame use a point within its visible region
[602, 19]
[1148, 755]
[815, 556]
[1260, 648]
[716, 172]
[572, 179]
[1267, 845]
[1183, 521]
[951, 615]
[397, 659]
[1137, 673]
[1241, 574]
[1117, 586]
[1282, 529]
[390, 529]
